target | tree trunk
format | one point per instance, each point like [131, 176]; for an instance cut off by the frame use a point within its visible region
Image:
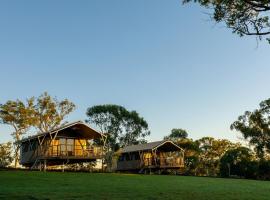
[16, 155]
[17, 147]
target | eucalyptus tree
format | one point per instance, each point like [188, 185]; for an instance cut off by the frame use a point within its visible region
[255, 128]
[20, 116]
[43, 114]
[50, 113]
[122, 127]
[211, 151]
[244, 17]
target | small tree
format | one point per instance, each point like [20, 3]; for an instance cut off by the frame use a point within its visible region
[5, 154]
[20, 116]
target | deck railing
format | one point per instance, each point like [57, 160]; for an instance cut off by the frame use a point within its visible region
[164, 162]
[77, 151]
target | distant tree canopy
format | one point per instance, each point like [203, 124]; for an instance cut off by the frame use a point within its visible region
[255, 127]
[176, 134]
[244, 17]
[122, 127]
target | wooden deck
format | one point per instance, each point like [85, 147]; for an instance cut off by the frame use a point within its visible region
[151, 163]
[55, 154]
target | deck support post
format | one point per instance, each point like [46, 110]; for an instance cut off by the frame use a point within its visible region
[45, 165]
[39, 166]
[63, 167]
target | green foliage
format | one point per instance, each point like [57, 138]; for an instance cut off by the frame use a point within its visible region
[50, 113]
[244, 17]
[255, 127]
[191, 154]
[177, 134]
[238, 162]
[17, 114]
[44, 113]
[122, 127]
[264, 169]
[5, 154]
[20, 116]
[211, 150]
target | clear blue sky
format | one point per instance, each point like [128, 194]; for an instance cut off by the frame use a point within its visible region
[163, 59]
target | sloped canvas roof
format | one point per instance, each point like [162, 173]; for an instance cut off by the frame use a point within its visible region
[147, 146]
[78, 125]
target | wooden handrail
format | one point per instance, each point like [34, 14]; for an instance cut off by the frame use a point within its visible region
[69, 151]
[164, 161]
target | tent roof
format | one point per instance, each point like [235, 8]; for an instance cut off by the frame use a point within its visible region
[78, 125]
[148, 146]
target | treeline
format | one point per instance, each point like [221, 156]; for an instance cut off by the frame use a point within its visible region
[204, 157]
[219, 158]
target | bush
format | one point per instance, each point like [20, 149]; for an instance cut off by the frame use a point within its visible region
[5, 154]
[238, 162]
[264, 170]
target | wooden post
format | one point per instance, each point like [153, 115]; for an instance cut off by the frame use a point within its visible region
[40, 166]
[63, 167]
[45, 165]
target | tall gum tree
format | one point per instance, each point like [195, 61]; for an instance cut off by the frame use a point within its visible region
[121, 126]
[43, 114]
[20, 116]
[244, 17]
[255, 128]
[50, 112]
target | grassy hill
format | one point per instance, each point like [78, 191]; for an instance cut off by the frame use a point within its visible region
[53, 185]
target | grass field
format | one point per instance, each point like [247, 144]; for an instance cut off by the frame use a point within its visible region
[57, 185]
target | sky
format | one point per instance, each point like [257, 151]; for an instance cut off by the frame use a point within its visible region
[167, 61]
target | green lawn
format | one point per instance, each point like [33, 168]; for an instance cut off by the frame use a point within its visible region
[57, 185]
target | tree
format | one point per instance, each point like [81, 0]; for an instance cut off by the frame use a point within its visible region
[255, 128]
[244, 17]
[238, 162]
[44, 113]
[121, 126]
[191, 154]
[5, 154]
[50, 113]
[211, 150]
[177, 134]
[19, 115]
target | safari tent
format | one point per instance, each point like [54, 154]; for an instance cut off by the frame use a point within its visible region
[71, 143]
[154, 156]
